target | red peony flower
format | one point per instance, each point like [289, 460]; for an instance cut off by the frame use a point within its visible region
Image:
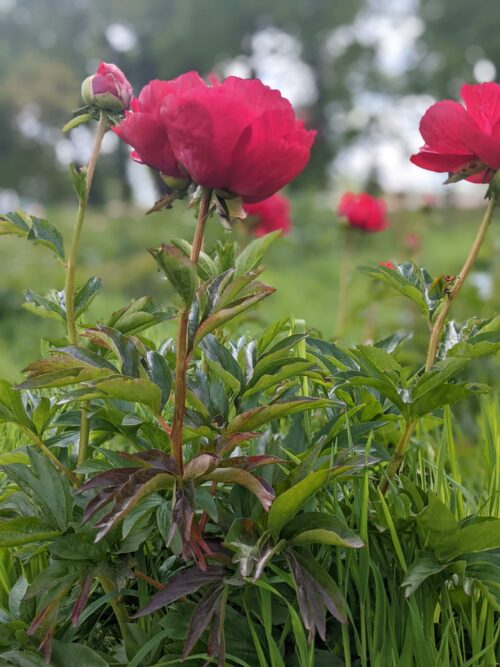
[388, 265]
[238, 135]
[463, 138]
[363, 211]
[271, 214]
[144, 130]
[107, 89]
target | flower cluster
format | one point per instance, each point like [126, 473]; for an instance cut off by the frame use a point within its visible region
[239, 137]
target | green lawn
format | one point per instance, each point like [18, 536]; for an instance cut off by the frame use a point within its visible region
[304, 267]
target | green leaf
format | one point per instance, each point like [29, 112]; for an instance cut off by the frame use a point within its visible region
[252, 255]
[22, 659]
[78, 546]
[291, 501]
[420, 571]
[86, 294]
[139, 315]
[226, 314]
[179, 269]
[159, 372]
[316, 527]
[480, 534]
[25, 530]
[34, 229]
[79, 178]
[252, 419]
[446, 394]
[294, 369]
[406, 279]
[206, 267]
[11, 406]
[76, 655]
[77, 120]
[69, 365]
[245, 479]
[119, 387]
[51, 305]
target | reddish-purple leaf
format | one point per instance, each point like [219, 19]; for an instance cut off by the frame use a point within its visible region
[244, 478]
[312, 609]
[251, 462]
[82, 599]
[201, 617]
[152, 458]
[183, 583]
[200, 465]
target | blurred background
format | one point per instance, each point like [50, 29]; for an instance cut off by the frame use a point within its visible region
[361, 72]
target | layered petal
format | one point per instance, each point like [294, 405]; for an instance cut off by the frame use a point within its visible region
[144, 130]
[238, 135]
[456, 137]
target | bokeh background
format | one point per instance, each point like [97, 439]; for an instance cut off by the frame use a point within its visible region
[361, 72]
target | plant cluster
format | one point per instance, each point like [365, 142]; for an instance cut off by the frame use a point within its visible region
[234, 500]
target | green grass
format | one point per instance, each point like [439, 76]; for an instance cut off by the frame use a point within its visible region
[304, 267]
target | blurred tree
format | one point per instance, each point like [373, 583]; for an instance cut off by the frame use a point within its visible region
[48, 46]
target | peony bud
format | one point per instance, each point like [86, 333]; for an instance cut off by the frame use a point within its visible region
[108, 89]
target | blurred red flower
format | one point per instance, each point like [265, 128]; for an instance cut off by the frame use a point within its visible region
[363, 211]
[271, 214]
[107, 89]
[463, 138]
[144, 130]
[388, 265]
[239, 135]
[412, 242]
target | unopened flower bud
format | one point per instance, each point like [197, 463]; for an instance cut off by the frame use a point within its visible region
[108, 89]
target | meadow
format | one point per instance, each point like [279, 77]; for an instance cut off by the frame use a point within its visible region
[305, 268]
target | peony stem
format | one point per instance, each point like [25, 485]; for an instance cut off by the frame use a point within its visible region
[437, 330]
[182, 358]
[469, 262]
[69, 287]
[397, 458]
[343, 286]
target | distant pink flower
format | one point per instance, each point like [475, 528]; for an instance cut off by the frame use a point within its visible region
[412, 242]
[271, 214]
[463, 137]
[363, 211]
